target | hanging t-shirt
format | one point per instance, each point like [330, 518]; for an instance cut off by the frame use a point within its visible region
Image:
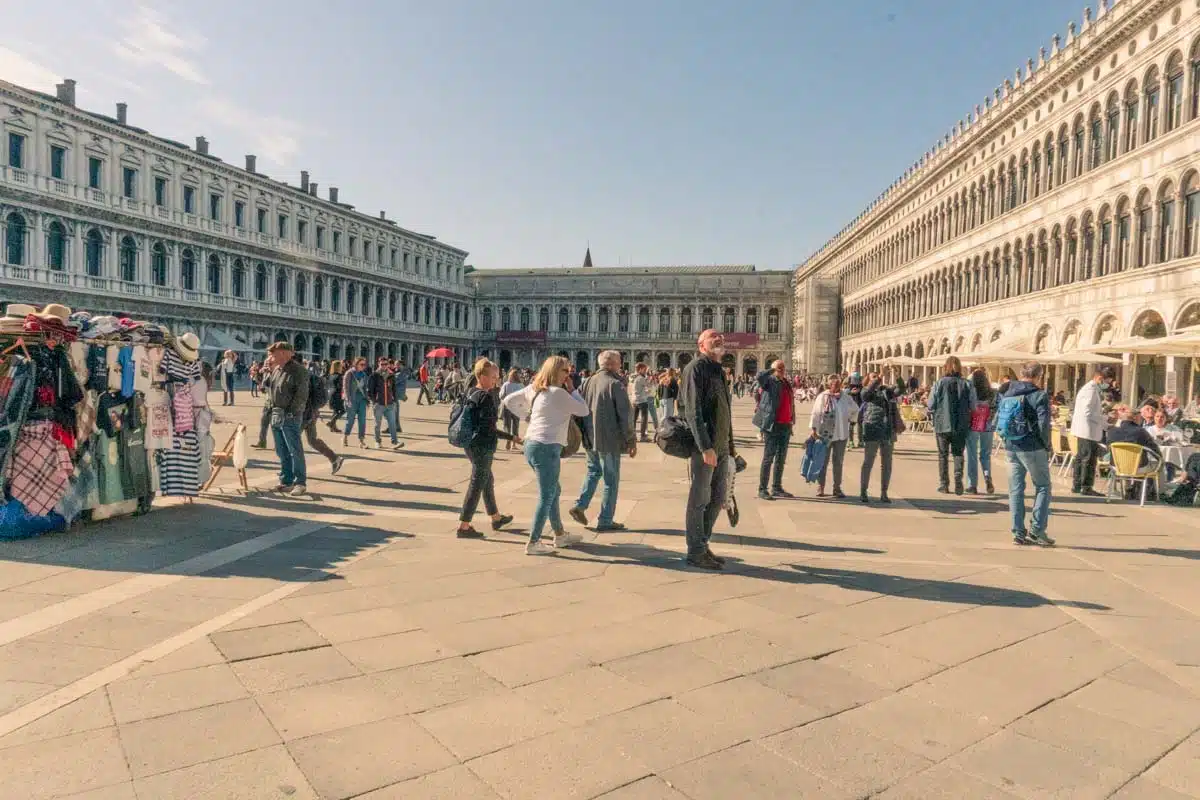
[128, 376]
[112, 355]
[143, 369]
[158, 416]
[109, 477]
[135, 468]
[97, 367]
[110, 413]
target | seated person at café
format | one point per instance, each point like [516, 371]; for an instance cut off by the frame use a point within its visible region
[1146, 414]
[1128, 430]
[1170, 404]
[1163, 430]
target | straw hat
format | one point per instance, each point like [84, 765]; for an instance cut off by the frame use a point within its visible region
[19, 311]
[54, 312]
[187, 346]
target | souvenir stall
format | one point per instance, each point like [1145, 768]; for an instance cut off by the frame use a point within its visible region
[98, 414]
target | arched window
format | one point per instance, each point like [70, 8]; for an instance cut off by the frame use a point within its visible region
[260, 283]
[708, 318]
[56, 246]
[238, 276]
[14, 239]
[1064, 154]
[583, 319]
[623, 319]
[1132, 99]
[1096, 134]
[1124, 235]
[1196, 82]
[487, 319]
[564, 320]
[1174, 91]
[1145, 221]
[281, 287]
[428, 307]
[1077, 141]
[524, 319]
[602, 319]
[772, 321]
[1152, 92]
[365, 309]
[379, 303]
[1166, 223]
[351, 298]
[664, 320]
[1112, 138]
[506, 319]
[729, 319]
[214, 274]
[335, 295]
[319, 293]
[1191, 201]
[128, 260]
[1104, 264]
[393, 301]
[158, 264]
[301, 291]
[752, 320]
[685, 320]
[187, 270]
[644, 319]
[544, 318]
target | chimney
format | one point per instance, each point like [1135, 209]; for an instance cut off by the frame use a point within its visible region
[251, 163]
[333, 194]
[202, 145]
[304, 180]
[66, 91]
[122, 113]
[383, 215]
[312, 188]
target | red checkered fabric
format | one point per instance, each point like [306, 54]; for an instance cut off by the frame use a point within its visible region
[40, 471]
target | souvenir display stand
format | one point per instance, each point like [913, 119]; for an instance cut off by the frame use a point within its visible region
[97, 416]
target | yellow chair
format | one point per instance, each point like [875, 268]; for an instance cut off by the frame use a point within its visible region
[1057, 457]
[1072, 453]
[1126, 467]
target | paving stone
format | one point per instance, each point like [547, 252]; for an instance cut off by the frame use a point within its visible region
[747, 708]
[1029, 767]
[1142, 788]
[366, 624]
[158, 695]
[200, 653]
[269, 640]
[919, 726]
[847, 755]
[752, 772]
[192, 737]
[1094, 737]
[979, 694]
[293, 670]
[487, 723]
[944, 782]
[55, 663]
[530, 662]
[648, 633]
[395, 650]
[88, 713]
[120, 791]
[123, 634]
[68, 765]
[1171, 715]
[661, 735]
[266, 774]
[1179, 770]
[670, 670]
[437, 683]
[354, 760]
[14, 694]
[953, 639]
[310, 710]
[823, 687]
[447, 784]
[586, 694]
[885, 666]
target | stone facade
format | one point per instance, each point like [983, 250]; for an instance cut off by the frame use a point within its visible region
[103, 216]
[1062, 213]
[649, 314]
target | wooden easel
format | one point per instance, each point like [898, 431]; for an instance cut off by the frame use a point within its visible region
[219, 457]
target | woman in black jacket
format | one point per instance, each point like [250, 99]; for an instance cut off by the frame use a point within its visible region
[879, 414]
[484, 402]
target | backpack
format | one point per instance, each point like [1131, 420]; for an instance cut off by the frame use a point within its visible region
[318, 394]
[1012, 420]
[980, 415]
[464, 421]
[675, 438]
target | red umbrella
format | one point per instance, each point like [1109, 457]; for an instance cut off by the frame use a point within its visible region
[440, 352]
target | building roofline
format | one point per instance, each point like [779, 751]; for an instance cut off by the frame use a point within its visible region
[682, 269]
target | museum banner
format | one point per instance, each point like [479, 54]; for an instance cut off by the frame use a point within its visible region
[530, 338]
[740, 341]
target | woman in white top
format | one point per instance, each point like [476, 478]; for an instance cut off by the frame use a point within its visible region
[548, 402]
[510, 420]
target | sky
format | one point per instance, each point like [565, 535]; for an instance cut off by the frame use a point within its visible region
[655, 131]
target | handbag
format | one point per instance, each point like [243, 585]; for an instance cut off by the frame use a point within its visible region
[979, 417]
[816, 450]
[574, 439]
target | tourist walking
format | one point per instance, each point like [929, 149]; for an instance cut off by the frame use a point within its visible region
[983, 428]
[381, 389]
[1023, 420]
[337, 401]
[227, 373]
[483, 401]
[879, 415]
[255, 368]
[512, 424]
[548, 403]
[423, 380]
[950, 403]
[832, 411]
[704, 405]
[317, 396]
[775, 416]
[612, 435]
[356, 391]
[669, 392]
[639, 395]
[401, 376]
[1088, 422]
[287, 388]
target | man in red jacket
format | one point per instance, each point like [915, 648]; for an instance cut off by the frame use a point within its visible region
[423, 378]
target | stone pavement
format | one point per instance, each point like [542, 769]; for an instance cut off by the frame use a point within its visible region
[349, 646]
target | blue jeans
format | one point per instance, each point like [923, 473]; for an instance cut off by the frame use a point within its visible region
[290, 451]
[356, 410]
[387, 412]
[1037, 464]
[979, 452]
[608, 466]
[546, 460]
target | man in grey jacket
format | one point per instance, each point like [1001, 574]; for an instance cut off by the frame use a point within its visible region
[612, 434]
[287, 392]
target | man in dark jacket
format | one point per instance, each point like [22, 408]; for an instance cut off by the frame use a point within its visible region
[381, 389]
[611, 435]
[287, 392]
[950, 403]
[775, 417]
[704, 405]
[1029, 455]
[1128, 429]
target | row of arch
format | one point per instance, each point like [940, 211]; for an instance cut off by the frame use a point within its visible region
[1105, 133]
[642, 319]
[1121, 235]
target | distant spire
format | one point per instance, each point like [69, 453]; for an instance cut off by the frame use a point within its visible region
[587, 257]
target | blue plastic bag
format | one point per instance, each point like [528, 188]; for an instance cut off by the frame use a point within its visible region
[815, 452]
[17, 523]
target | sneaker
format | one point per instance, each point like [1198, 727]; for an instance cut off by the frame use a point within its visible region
[259, 445]
[469, 533]
[838, 494]
[282, 487]
[958, 489]
[299, 490]
[562, 539]
[579, 515]
[398, 446]
[538, 548]
[972, 490]
[883, 498]
[1021, 537]
[1041, 539]
[783, 494]
[943, 489]
[1090, 492]
[362, 443]
[763, 494]
[504, 519]
[378, 445]
[991, 489]
[704, 561]
[714, 556]
[345, 442]
[611, 526]
[864, 498]
[821, 493]
[337, 464]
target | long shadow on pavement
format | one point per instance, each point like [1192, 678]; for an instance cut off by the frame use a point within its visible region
[764, 541]
[1168, 552]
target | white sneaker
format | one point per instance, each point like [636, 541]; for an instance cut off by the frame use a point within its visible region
[565, 539]
[299, 490]
[538, 548]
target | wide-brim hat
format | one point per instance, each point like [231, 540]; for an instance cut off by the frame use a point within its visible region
[54, 311]
[187, 346]
[19, 311]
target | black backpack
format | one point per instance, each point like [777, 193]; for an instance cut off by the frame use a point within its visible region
[675, 438]
[318, 395]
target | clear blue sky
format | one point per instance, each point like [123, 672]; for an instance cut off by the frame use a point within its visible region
[663, 131]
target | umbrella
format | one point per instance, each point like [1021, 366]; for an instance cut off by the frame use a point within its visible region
[440, 352]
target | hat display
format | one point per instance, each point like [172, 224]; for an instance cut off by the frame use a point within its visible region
[187, 346]
[102, 326]
[54, 312]
[19, 311]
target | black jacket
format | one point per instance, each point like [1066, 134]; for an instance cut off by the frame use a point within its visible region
[1133, 433]
[287, 388]
[487, 410]
[774, 393]
[878, 413]
[704, 405]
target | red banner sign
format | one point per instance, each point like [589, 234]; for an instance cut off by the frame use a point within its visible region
[740, 341]
[521, 337]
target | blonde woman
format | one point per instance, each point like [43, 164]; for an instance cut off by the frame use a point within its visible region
[548, 402]
[484, 402]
